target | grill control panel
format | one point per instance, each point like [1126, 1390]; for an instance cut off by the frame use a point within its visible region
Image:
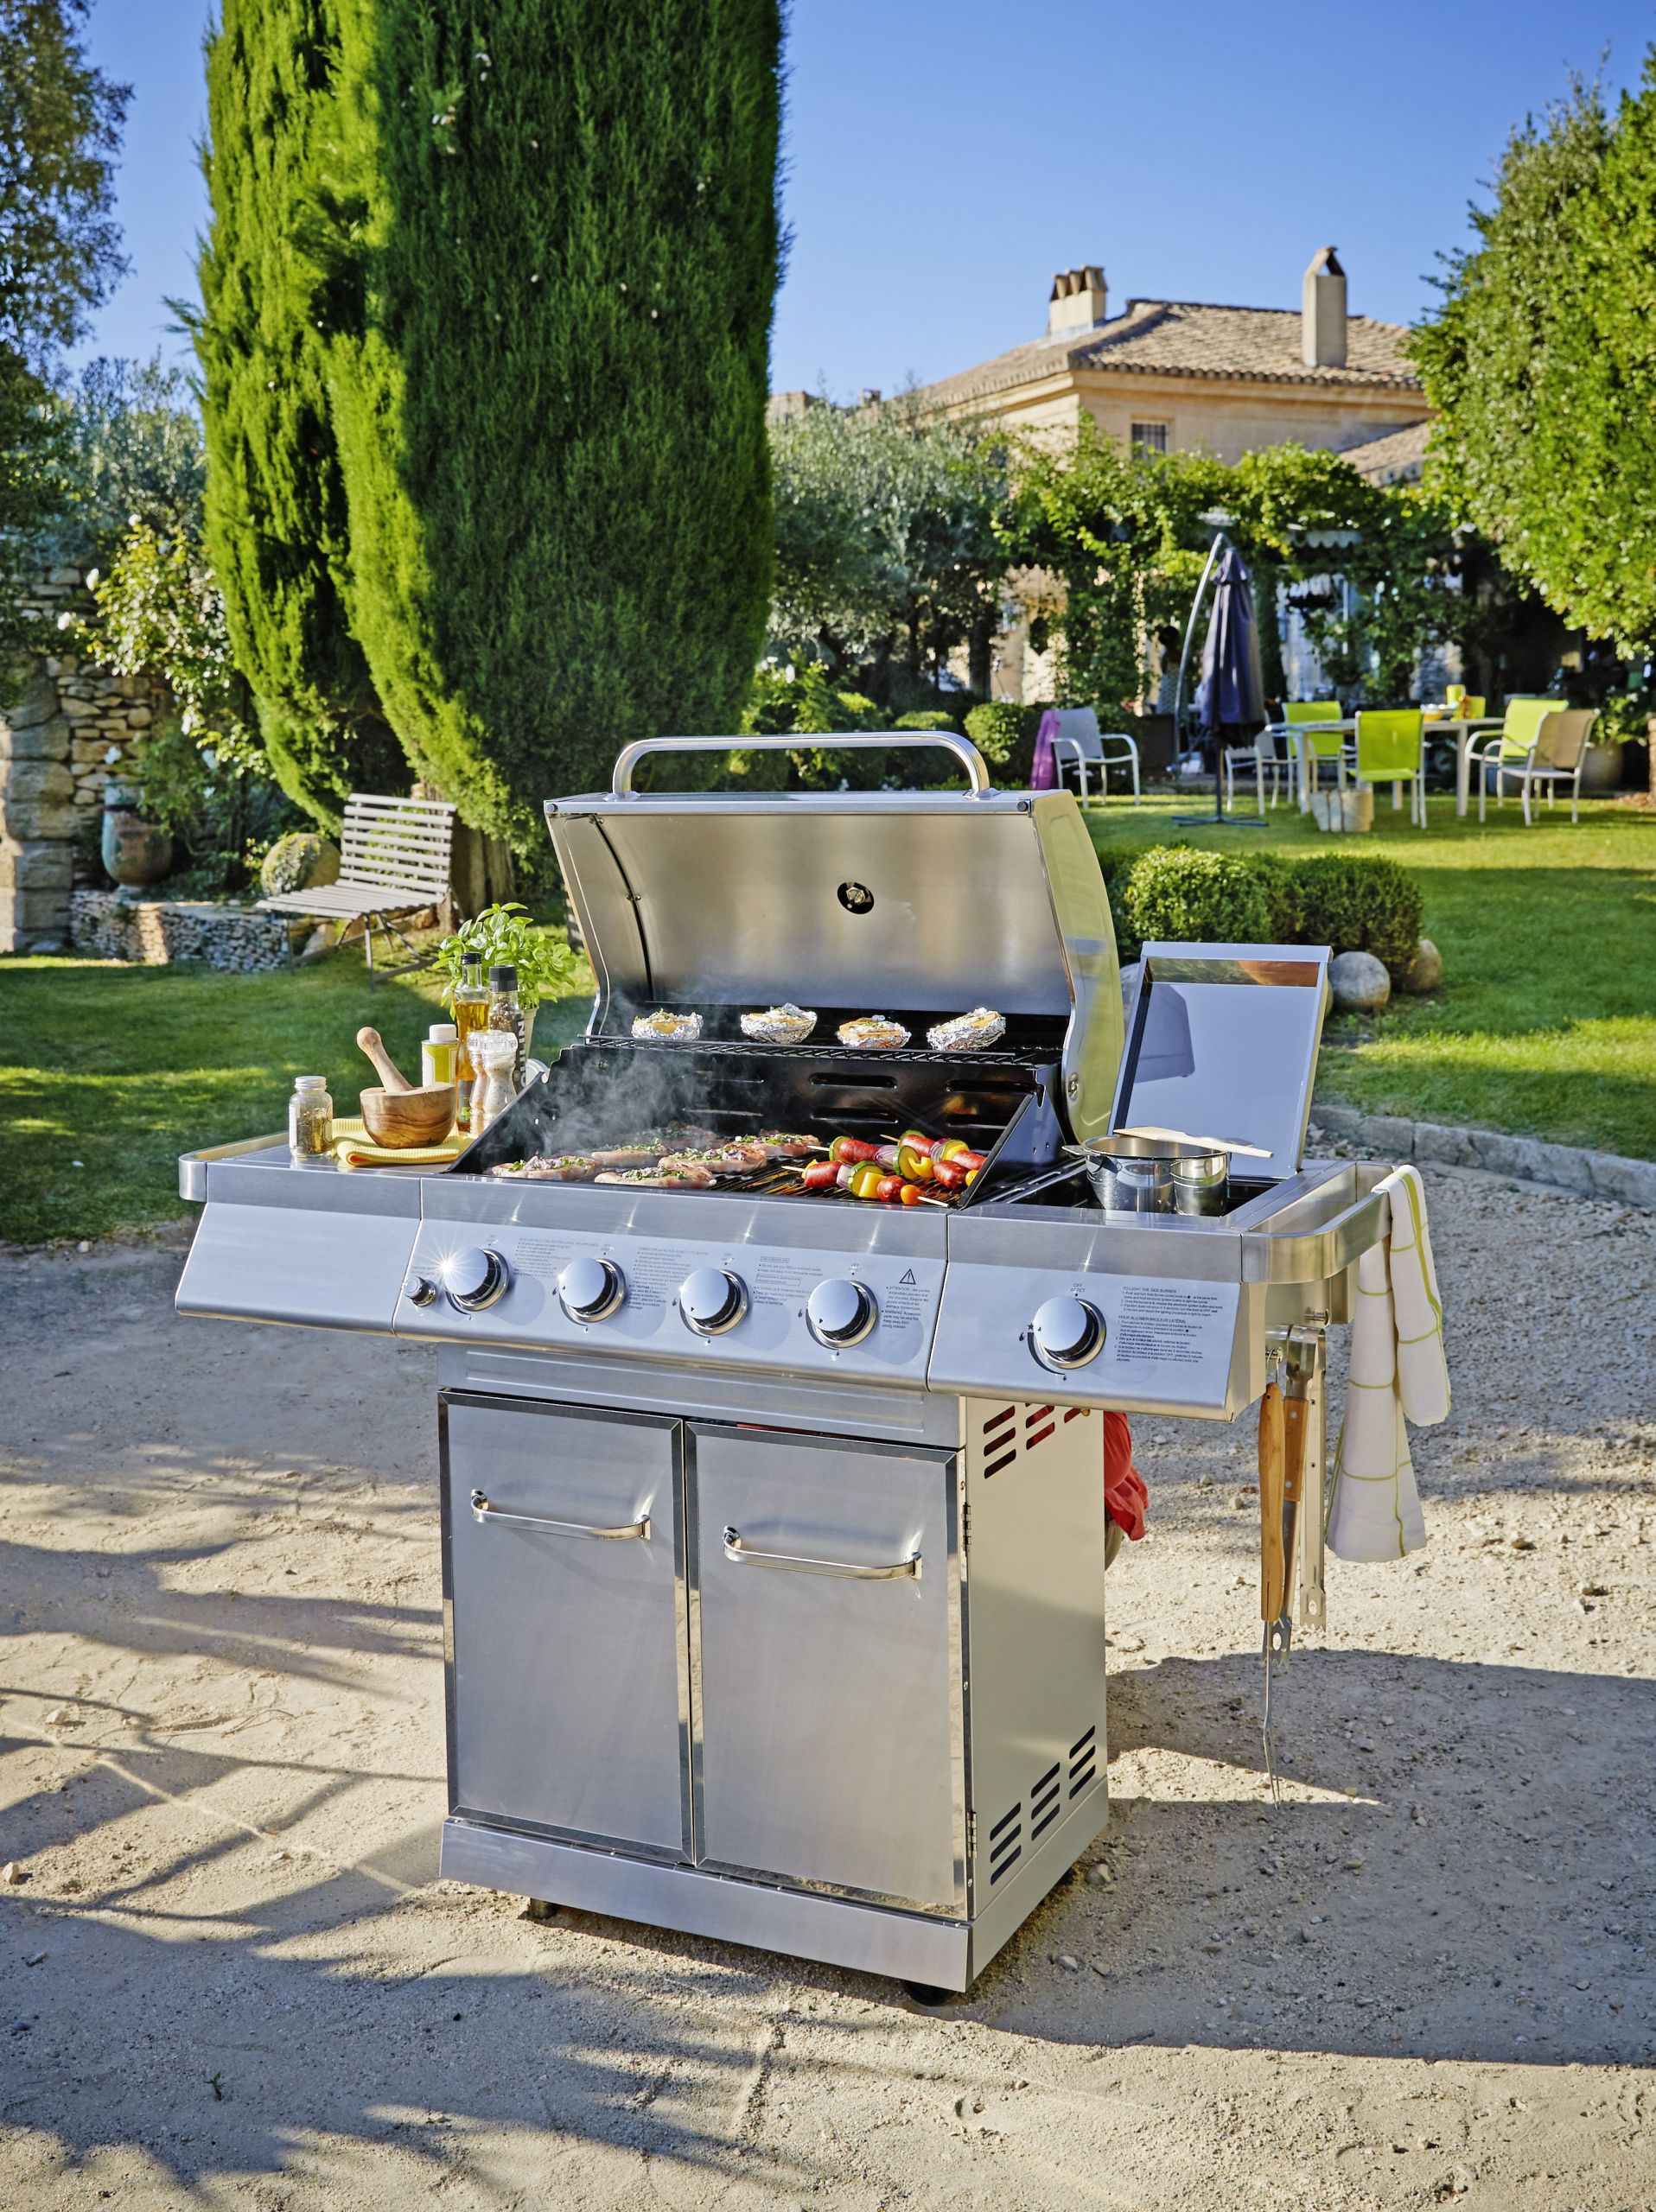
[863, 1316]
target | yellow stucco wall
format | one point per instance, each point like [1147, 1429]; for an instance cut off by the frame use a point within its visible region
[1227, 418]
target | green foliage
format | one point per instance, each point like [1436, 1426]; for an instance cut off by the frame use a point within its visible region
[785, 699]
[1175, 891]
[132, 453]
[275, 521]
[1542, 363]
[215, 807]
[545, 283]
[544, 964]
[60, 127]
[158, 613]
[1110, 544]
[887, 549]
[1005, 732]
[1351, 903]
[59, 130]
[1359, 906]
[298, 861]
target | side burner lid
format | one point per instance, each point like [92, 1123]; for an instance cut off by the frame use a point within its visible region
[1222, 1042]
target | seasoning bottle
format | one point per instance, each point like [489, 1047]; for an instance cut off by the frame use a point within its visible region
[493, 1055]
[505, 1013]
[439, 1052]
[310, 1120]
[470, 1004]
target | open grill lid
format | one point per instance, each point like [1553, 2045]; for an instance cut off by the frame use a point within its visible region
[850, 902]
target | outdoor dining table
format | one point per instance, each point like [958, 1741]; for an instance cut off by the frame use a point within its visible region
[1462, 728]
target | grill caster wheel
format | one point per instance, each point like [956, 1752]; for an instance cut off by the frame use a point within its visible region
[539, 1908]
[927, 1994]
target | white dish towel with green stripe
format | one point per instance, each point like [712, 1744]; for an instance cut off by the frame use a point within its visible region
[1399, 1374]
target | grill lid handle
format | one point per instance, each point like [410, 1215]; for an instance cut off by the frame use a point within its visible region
[830, 741]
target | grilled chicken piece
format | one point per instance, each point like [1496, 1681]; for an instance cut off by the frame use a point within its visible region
[739, 1157]
[661, 1177]
[571, 1167]
[781, 1145]
[626, 1155]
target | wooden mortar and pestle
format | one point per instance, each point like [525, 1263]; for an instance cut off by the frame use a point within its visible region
[402, 1114]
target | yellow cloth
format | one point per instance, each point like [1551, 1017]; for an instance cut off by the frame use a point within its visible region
[354, 1148]
[1398, 1373]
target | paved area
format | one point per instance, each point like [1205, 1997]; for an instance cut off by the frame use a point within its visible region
[229, 1980]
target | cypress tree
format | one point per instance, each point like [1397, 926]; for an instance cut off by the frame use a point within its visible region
[276, 518]
[553, 260]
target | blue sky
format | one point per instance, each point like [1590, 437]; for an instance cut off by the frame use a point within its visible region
[945, 157]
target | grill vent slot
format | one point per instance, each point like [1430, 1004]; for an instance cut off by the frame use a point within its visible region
[1006, 1842]
[1083, 1762]
[1038, 1426]
[1000, 1435]
[1044, 1802]
[1077, 1412]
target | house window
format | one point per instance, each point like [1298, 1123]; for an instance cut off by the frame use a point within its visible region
[1148, 437]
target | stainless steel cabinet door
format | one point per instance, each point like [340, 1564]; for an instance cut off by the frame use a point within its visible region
[825, 1662]
[568, 1676]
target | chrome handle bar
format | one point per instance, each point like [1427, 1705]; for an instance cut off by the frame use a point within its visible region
[735, 1550]
[832, 741]
[483, 1512]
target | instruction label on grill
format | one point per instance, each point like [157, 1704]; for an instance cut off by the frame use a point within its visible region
[1165, 1324]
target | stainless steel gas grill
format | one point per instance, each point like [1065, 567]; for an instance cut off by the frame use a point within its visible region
[773, 1532]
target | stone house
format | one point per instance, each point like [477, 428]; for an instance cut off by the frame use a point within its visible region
[1182, 375]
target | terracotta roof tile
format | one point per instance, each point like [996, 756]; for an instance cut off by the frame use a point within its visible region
[1187, 338]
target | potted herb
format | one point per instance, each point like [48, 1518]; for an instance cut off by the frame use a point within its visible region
[544, 964]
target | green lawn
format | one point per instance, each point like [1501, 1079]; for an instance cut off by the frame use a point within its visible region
[1546, 1025]
[108, 1072]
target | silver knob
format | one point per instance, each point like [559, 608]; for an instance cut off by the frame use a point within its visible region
[840, 1311]
[475, 1279]
[590, 1290]
[1066, 1332]
[422, 1291]
[712, 1300]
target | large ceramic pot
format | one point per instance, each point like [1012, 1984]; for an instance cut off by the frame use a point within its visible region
[1601, 769]
[135, 851]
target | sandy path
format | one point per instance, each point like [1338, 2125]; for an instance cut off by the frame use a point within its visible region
[1425, 1976]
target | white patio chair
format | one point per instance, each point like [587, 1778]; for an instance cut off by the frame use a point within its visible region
[1509, 749]
[1555, 755]
[1079, 744]
[1271, 759]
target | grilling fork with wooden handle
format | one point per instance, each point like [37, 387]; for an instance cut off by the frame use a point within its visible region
[1273, 1552]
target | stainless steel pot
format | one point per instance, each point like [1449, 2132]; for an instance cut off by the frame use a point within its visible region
[1202, 1185]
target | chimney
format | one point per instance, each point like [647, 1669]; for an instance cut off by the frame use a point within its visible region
[1322, 312]
[1077, 302]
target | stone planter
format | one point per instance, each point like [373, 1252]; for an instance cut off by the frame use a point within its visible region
[135, 851]
[1601, 771]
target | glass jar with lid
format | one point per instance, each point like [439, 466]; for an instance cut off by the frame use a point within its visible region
[310, 1121]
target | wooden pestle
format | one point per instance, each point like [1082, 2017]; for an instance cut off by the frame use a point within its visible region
[389, 1073]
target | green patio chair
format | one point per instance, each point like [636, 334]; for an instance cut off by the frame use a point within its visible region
[1326, 744]
[1390, 750]
[1513, 744]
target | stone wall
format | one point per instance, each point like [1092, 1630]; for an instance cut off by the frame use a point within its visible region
[125, 925]
[71, 729]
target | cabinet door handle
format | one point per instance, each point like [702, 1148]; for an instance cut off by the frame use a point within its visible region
[735, 1549]
[483, 1512]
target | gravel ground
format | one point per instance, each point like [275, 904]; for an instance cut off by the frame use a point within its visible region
[230, 1981]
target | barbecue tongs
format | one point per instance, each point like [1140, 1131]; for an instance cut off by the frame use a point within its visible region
[1281, 1475]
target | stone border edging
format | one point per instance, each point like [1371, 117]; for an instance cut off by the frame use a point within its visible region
[1452, 1144]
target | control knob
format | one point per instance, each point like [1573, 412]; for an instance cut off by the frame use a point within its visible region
[1066, 1332]
[476, 1278]
[839, 1313]
[590, 1289]
[712, 1300]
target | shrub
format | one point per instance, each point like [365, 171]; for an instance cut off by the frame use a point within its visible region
[298, 861]
[1006, 734]
[1177, 892]
[1359, 906]
[1278, 878]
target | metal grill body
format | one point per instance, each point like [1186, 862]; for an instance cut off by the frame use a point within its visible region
[753, 1633]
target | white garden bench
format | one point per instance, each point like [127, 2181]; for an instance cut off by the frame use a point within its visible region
[394, 857]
